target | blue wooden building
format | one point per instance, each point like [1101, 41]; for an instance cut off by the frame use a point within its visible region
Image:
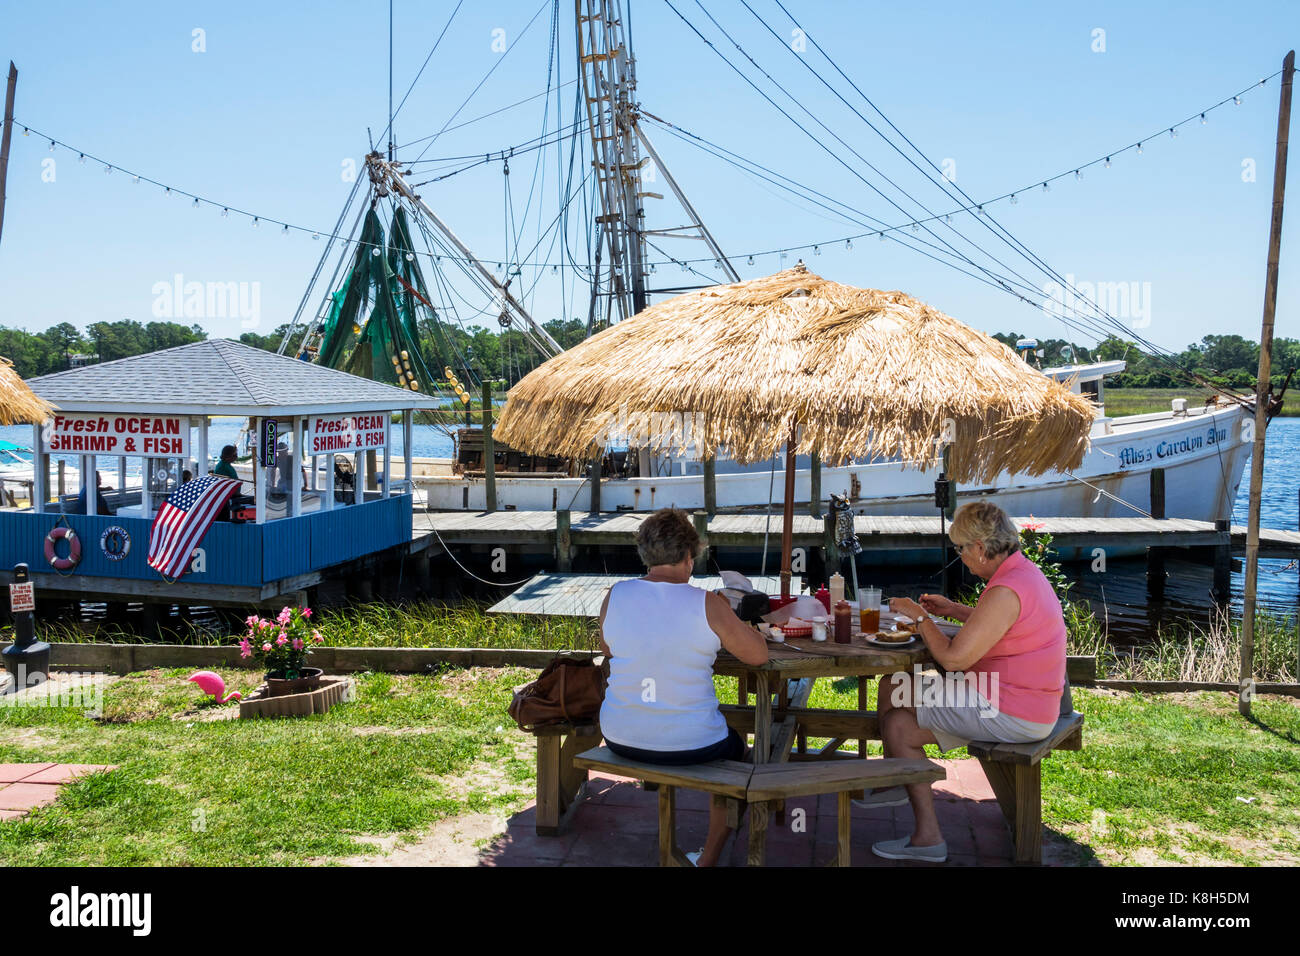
[308, 504]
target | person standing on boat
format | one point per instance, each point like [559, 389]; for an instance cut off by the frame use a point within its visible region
[101, 503]
[661, 635]
[1005, 669]
[225, 467]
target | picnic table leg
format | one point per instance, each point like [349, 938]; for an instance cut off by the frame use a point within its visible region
[862, 743]
[762, 718]
[1019, 792]
[757, 833]
[844, 856]
[669, 854]
[548, 786]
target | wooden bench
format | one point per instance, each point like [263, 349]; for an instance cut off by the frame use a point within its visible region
[1014, 772]
[758, 786]
[722, 778]
[560, 784]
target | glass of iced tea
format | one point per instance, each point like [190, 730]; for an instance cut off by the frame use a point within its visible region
[869, 610]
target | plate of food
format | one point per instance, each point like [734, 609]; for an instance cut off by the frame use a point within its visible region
[895, 637]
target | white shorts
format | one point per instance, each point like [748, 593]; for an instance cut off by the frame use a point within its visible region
[962, 714]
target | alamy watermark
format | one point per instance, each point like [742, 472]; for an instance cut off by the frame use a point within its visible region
[176, 299]
[1123, 300]
[954, 688]
[75, 690]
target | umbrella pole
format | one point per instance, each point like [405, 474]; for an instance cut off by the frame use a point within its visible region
[787, 518]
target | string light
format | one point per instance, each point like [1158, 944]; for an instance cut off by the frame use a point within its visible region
[284, 231]
[685, 264]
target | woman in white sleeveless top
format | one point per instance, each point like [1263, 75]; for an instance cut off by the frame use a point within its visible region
[661, 635]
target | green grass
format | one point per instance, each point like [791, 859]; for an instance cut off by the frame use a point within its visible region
[191, 791]
[1143, 401]
[1159, 780]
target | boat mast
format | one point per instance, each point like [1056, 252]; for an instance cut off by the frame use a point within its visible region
[608, 71]
[386, 174]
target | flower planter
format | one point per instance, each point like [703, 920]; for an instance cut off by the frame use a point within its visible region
[319, 701]
[310, 679]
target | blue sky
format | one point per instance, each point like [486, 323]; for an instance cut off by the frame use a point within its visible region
[265, 117]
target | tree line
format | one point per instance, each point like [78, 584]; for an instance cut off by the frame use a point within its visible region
[505, 356]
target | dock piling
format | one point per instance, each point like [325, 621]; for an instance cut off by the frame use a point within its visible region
[1156, 555]
[563, 541]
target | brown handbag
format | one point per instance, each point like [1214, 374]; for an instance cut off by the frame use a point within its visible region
[570, 690]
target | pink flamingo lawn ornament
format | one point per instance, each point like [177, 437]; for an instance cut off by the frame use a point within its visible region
[212, 684]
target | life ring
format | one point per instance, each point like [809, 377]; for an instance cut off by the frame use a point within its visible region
[74, 548]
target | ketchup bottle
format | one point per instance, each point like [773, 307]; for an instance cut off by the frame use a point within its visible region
[843, 622]
[824, 596]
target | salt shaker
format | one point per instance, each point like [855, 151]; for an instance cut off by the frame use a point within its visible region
[819, 628]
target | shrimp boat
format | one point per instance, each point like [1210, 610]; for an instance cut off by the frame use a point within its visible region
[390, 311]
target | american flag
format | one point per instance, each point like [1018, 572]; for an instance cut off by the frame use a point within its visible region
[183, 520]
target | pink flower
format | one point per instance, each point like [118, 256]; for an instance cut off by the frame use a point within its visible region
[281, 640]
[297, 644]
[306, 613]
[266, 647]
[1032, 525]
[252, 621]
[245, 650]
[285, 616]
[315, 637]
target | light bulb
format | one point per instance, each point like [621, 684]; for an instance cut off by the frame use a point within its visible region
[410, 257]
[848, 244]
[195, 204]
[107, 169]
[225, 213]
[167, 190]
[135, 179]
[881, 235]
[751, 260]
[652, 268]
[684, 267]
[374, 251]
[256, 222]
[51, 146]
[979, 209]
[915, 227]
[1046, 188]
[1173, 133]
[554, 269]
[1139, 149]
[817, 250]
[284, 231]
[1078, 175]
[1236, 101]
[1203, 119]
[26, 131]
[81, 158]
[315, 235]
[947, 218]
[1108, 162]
[717, 263]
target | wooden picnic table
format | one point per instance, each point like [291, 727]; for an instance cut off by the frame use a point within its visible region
[804, 660]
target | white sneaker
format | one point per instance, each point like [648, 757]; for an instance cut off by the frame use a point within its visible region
[891, 797]
[903, 850]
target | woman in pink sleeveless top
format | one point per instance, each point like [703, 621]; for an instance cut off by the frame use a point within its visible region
[1005, 669]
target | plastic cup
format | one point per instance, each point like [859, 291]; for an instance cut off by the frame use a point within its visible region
[869, 610]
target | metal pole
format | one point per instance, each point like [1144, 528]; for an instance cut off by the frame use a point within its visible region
[787, 517]
[5, 136]
[489, 452]
[1263, 392]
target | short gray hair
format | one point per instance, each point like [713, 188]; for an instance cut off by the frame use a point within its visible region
[667, 537]
[985, 522]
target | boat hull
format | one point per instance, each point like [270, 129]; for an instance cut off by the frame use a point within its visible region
[1203, 455]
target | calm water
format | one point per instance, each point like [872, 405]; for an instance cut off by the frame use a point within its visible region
[1119, 593]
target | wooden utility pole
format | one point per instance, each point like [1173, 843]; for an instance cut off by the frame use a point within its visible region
[5, 137]
[489, 452]
[1262, 393]
[787, 517]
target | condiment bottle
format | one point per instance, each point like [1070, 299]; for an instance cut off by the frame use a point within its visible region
[843, 623]
[837, 589]
[824, 596]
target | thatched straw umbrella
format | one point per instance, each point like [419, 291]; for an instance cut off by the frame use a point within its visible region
[19, 405]
[797, 360]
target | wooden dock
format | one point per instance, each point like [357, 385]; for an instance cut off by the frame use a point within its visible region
[537, 531]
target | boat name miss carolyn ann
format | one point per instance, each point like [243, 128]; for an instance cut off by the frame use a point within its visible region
[1131, 455]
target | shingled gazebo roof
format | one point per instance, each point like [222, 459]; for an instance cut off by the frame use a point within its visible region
[219, 377]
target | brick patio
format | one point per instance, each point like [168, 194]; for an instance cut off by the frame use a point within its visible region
[616, 825]
[26, 786]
